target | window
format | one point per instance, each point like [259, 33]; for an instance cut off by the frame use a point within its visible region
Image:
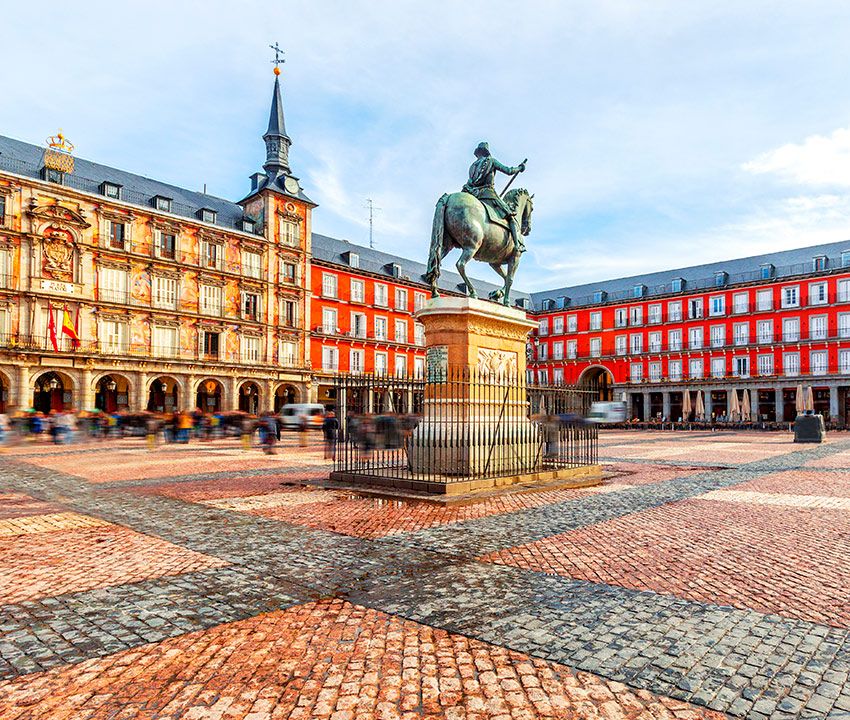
[543, 327]
[765, 364]
[718, 367]
[418, 334]
[741, 333]
[358, 291]
[111, 190]
[353, 260]
[210, 300]
[418, 301]
[636, 316]
[819, 263]
[287, 353]
[358, 325]
[740, 303]
[720, 279]
[164, 342]
[162, 203]
[818, 362]
[116, 235]
[843, 291]
[543, 349]
[329, 321]
[419, 366]
[791, 329]
[844, 358]
[695, 308]
[356, 361]
[766, 271]
[636, 372]
[113, 284]
[210, 344]
[572, 349]
[674, 340]
[638, 291]
[5, 268]
[817, 294]
[595, 347]
[655, 372]
[845, 258]
[113, 336]
[572, 323]
[791, 364]
[695, 368]
[401, 331]
[764, 331]
[599, 296]
[844, 325]
[596, 320]
[636, 344]
[558, 325]
[250, 306]
[208, 216]
[558, 376]
[764, 300]
[717, 305]
[621, 317]
[290, 233]
[165, 292]
[212, 254]
[289, 313]
[381, 295]
[695, 338]
[620, 344]
[251, 264]
[542, 377]
[400, 365]
[165, 244]
[401, 299]
[558, 350]
[654, 314]
[288, 272]
[328, 285]
[674, 311]
[677, 284]
[817, 327]
[791, 296]
[674, 369]
[380, 363]
[718, 336]
[741, 366]
[330, 359]
[380, 328]
[246, 225]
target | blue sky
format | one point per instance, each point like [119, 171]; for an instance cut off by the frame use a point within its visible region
[659, 134]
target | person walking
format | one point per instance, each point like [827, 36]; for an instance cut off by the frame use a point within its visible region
[303, 424]
[330, 429]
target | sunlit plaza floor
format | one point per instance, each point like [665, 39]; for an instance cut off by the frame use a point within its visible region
[708, 576]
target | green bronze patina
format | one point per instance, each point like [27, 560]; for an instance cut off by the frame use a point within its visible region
[461, 220]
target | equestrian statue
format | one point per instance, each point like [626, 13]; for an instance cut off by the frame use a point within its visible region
[485, 225]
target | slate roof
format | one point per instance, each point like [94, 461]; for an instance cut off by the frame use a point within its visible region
[786, 263]
[333, 250]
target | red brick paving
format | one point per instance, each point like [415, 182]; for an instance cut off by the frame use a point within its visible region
[328, 659]
[801, 482]
[198, 490]
[14, 505]
[52, 563]
[712, 552]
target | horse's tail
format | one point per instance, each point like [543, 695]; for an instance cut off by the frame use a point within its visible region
[435, 254]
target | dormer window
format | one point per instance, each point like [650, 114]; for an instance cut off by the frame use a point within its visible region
[395, 269]
[677, 285]
[845, 258]
[720, 278]
[563, 302]
[548, 304]
[353, 259]
[207, 215]
[819, 263]
[246, 225]
[766, 271]
[54, 176]
[160, 202]
[639, 291]
[600, 296]
[520, 302]
[110, 190]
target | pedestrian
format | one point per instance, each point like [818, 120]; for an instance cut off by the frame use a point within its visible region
[330, 429]
[269, 425]
[303, 424]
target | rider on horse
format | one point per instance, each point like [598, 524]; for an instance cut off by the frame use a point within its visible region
[482, 174]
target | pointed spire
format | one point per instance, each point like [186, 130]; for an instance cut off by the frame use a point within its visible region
[276, 139]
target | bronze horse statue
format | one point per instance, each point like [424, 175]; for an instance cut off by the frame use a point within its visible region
[461, 221]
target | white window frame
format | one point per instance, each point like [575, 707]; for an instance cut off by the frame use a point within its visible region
[764, 365]
[249, 348]
[741, 366]
[717, 336]
[621, 344]
[636, 315]
[572, 349]
[674, 370]
[621, 317]
[401, 300]
[674, 311]
[741, 334]
[211, 300]
[112, 334]
[696, 338]
[596, 320]
[818, 293]
[764, 300]
[381, 295]
[718, 367]
[764, 332]
[211, 255]
[740, 303]
[636, 344]
[558, 350]
[330, 285]
[818, 327]
[792, 334]
[653, 314]
[791, 364]
[160, 349]
[636, 372]
[330, 321]
[717, 305]
[330, 358]
[818, 362]
[596, 347]
[791, 296]
[165, 292]
[695, 368]
[357, 360]
[252, 264]
[844, 361]
[572, 323]
[381, 327]
[400, 331]
[674, 340]
[358, 291]
[558, 325]
[381, 363]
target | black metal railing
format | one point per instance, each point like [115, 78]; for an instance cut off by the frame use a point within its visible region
[458, 424]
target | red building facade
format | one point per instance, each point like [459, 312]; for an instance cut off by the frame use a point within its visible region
[766, 324]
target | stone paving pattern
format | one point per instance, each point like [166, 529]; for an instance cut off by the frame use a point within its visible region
[702, 578]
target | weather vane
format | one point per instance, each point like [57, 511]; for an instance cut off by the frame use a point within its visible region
[278, 60]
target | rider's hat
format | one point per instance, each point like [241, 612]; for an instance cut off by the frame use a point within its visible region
[482, 149]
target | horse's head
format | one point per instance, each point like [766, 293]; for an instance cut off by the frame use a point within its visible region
[523, 205]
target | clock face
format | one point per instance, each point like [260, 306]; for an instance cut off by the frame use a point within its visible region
[291, 185]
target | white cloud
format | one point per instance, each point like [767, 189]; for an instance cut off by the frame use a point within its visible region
[818, 160]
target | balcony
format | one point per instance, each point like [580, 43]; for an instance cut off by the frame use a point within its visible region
[113, 296]
[7, 282]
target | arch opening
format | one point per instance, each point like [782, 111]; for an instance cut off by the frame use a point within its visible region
[599, 381]
[164, 395]
[285, 394]
[52, 391]
[112, 394]
[249, 398]
[208, 397]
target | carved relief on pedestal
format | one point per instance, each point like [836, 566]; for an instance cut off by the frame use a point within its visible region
[57, 255]
[500, 363]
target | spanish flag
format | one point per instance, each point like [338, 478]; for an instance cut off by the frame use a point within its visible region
[68, 328]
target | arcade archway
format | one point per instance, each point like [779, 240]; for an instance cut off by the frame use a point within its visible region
[112, 393]
[599, 380]
[284, 395]
[249, 398]
[164, 395]
[5, 386]
[209, 396]
[52, 391]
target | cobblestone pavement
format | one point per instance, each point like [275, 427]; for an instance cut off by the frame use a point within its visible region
[707, 576]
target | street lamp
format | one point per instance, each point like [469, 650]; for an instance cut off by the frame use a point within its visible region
[53, 384]
[111, 385]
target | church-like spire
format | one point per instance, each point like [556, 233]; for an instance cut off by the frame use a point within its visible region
[276, 139]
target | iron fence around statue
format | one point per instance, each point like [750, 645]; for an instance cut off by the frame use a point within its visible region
[459, 424]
